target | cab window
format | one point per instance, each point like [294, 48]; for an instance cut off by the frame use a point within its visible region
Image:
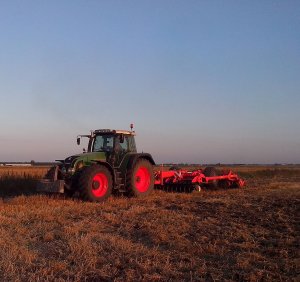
[103, 143]
[122, 146]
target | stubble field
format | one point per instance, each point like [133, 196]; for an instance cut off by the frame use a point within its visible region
[249, 234]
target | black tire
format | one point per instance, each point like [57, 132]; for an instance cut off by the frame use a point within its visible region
[72, 187]
[95, 183]
[210, 172]
[224, 184]
[140, 179]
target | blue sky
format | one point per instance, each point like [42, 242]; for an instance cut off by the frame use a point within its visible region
[203, 81]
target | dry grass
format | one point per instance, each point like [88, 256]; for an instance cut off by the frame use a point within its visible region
[35, 171]
[250, 234]
[16, 181]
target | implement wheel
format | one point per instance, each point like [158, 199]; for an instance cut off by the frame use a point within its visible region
[211, 172]
[95, 183]
[224, 184]
[140, 179]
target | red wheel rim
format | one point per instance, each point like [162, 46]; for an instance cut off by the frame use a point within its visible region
[142, 179]
[99, 185]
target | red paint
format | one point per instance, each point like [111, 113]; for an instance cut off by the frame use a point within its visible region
[99, 185]
[142, 179]
[195, 177]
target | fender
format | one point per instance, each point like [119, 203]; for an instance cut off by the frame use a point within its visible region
[133, 159]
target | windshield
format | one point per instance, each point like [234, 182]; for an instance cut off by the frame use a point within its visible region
[103, 143]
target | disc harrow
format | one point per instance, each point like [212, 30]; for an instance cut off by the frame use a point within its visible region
[185, 181]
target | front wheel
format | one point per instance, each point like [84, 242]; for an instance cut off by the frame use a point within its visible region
[95, 183]
[140, 179]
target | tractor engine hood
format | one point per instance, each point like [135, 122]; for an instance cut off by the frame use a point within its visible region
[86, 158]
[70, 164]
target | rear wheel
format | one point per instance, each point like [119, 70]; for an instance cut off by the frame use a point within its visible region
[140, 179]
[95, 183]
[211, 172]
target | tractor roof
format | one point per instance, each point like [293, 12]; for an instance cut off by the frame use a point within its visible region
[114, 131]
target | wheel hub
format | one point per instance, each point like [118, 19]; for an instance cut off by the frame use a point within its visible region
[95, 185]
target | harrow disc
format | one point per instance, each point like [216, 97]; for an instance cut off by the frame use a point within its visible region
[178, 188]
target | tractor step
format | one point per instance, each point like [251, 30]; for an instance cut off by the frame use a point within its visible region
[120, 182]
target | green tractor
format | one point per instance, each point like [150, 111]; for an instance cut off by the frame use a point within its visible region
[111, 165]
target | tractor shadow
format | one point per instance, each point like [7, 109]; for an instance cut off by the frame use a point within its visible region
[15, 186]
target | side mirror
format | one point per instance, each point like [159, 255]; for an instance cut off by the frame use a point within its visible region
[78, 140]
[121, 138]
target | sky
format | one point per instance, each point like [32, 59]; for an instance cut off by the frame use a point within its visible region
[202, 81]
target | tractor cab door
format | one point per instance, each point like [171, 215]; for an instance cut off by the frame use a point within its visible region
[121, 148]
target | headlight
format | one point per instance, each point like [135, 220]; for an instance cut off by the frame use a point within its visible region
[71, 170]
[79, 165]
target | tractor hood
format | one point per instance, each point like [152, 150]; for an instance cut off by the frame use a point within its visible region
[86, 158]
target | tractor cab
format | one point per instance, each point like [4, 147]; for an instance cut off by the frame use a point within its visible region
[106, 140]
[114, 143]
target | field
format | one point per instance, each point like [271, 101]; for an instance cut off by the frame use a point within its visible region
[249, 234]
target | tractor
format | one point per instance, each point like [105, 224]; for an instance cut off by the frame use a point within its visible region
[111, 165]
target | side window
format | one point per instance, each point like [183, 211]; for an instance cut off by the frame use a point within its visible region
[131, 144]
[108, 142]
[124, 145]
[98, 144]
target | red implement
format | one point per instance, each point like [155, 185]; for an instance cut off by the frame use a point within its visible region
[179, 177]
